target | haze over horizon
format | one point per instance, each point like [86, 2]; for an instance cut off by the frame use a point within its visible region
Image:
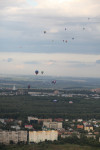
[69, 47]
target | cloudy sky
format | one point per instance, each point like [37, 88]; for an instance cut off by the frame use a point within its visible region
[70, 45]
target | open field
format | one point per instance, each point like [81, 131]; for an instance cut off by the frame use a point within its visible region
[43, 146]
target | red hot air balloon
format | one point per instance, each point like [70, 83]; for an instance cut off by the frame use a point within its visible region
[54, 82]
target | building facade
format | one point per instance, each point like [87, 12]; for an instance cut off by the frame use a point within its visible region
[40, 136]
[88, 128]
[53, 125]
[45, 120]
[6, 137]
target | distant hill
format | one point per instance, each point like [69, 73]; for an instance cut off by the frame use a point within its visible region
[22, 81]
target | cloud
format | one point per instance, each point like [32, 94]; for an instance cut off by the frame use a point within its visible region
[32, 2]
[32, 62]
[19, 67]
[8, 60]
[51, 62]
[80, 64]
[11, 3]
[71, 7]
[23, 25]
[73, 62]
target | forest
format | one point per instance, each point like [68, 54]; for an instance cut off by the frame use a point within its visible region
[20, 107]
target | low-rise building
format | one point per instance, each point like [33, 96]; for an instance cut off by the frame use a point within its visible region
[19, 122]
[69, 135]
[88, 128]
[53, 125]
[16, 127]
[80, 126]
[79, 120]
[34, 93]
[70, 102]
[66, 120]
[45, 120]
[59, 119]
[74, 120]
[61, 131]
[91, 136]
[33, 119]
[97, 90]
[96, 133]
[28, 126]
[2, 120]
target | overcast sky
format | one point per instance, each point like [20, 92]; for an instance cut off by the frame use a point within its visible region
[69, 47]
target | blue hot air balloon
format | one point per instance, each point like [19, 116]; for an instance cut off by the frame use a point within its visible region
[36, 72]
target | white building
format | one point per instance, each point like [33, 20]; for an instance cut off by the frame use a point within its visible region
[2, 120]
[40, 136]
[15, 136]
[34, 93]
[79, 120]
[66, 120]
[16, 127]
[32, 118]
[53, 125]
[14, 88]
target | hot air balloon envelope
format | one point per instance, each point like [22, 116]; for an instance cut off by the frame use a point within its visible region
[36, 72]
[54, 81]
[42, 72]
[44, 32]
[29, 86]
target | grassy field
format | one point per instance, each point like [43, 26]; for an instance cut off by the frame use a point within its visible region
[43, 146]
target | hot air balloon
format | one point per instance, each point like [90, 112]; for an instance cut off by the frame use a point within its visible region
[55, 100]
[36, 72]
[42, 72]
[53, 82]
[29, 86]
[44, 32]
